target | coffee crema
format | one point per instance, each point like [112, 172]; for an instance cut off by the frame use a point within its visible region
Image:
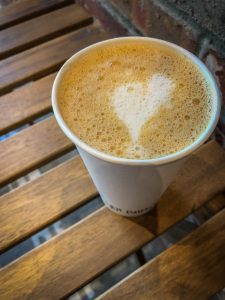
[137, 100]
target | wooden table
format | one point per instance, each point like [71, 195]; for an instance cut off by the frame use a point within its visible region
[36, 38]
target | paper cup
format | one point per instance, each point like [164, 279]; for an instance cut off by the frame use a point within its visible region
[132, 187]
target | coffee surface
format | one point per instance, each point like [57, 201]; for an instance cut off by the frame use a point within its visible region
[135, 100]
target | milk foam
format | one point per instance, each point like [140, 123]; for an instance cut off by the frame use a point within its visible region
[135, 103]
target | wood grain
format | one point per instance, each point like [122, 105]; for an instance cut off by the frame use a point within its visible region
[49, 197]
[46, 58]
[48, 26]
[30, 148]
[191, 269]
[26, 103]
[41, 273]
[23, 10]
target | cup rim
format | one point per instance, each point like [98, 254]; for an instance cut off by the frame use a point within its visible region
[139, 162]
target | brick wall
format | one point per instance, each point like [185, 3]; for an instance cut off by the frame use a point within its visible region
[197, 25]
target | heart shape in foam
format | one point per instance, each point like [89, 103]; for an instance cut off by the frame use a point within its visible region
[135, 104]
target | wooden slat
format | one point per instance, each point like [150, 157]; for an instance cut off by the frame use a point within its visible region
[46, 58]
[43, 28]
[193, 269]
[41, 273]
[30, 148]
[25, 9]
[26, 103]
[217, 204]
[46, 199]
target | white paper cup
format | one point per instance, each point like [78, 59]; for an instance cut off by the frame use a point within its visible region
[131, 187]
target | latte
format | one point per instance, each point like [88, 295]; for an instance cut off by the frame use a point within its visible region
[137, 100]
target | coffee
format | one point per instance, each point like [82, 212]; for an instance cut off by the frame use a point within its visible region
[135, 100]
